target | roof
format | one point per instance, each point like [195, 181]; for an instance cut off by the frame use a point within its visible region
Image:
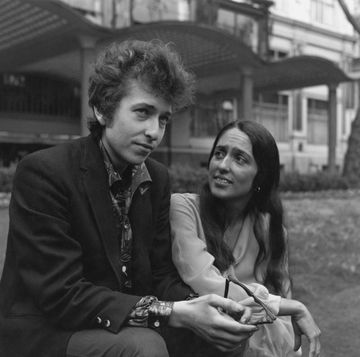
[44, 36]
[298, 72]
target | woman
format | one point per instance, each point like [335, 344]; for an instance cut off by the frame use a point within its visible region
[234, 232]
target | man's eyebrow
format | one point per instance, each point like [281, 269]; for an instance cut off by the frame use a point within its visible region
[150, 106]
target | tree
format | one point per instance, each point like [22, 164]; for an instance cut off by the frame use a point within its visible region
[351, 169]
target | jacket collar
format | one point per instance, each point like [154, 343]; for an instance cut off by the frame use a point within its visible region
[95, 180]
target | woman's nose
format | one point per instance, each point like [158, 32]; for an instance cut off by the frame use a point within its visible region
[224, 163]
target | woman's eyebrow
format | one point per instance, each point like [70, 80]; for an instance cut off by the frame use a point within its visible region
[242, 152]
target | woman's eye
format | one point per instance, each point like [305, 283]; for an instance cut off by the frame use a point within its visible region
[219, 154]
[241, 159]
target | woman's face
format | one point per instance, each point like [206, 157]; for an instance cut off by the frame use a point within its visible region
[232, 168]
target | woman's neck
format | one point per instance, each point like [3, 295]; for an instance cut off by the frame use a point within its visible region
[235, 210]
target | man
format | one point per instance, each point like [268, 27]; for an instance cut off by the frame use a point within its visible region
[88, 252]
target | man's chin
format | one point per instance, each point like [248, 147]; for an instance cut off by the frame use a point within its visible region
[137, 159]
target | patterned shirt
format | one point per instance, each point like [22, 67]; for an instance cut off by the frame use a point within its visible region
[149, 311]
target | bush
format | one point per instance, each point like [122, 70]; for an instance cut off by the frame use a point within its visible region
[6, 178]
[185, 178]
[320, 181]
[190, 179]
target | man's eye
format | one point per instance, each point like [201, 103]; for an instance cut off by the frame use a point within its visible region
[142, 112]
[164, 120]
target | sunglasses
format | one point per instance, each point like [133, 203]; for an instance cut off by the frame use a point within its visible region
[269, 315]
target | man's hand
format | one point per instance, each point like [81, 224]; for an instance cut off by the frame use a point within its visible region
[209, 317]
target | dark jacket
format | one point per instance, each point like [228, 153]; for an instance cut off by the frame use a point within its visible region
[61, 272]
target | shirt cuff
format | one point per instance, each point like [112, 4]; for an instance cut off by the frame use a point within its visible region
[150, 312]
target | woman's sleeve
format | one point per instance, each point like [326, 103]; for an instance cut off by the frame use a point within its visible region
[194, 263]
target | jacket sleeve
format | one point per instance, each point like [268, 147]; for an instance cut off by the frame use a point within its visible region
[167, 282]
[49, 257]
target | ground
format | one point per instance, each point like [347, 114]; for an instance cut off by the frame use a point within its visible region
[324, 262]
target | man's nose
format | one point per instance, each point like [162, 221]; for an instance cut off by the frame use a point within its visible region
[152, 129]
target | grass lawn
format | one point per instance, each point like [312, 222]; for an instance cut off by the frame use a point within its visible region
[324, 262]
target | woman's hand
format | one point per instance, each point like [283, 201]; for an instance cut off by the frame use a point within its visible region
[304, 324]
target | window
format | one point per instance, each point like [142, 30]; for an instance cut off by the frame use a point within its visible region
[322, 11]
[277, 55]
[271, 110]
[241, 26]
[35, 94]
[210, 115]
[317, 116]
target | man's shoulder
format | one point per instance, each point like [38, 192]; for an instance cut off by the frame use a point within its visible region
[57, 155]
[156, 168]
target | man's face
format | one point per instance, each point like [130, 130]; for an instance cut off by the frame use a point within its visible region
[137, 127]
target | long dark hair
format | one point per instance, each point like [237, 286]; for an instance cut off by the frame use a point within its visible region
[264, 200]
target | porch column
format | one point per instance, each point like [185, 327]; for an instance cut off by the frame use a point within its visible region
[247, 94]
[332, 135]
[87, 56]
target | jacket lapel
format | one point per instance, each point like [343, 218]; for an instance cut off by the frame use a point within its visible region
[96, 187]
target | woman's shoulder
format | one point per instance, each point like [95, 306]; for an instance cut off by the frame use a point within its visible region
[185, 198]
[188, 201]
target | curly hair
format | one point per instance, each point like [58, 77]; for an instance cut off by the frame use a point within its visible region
[266, 200]
[153, 63]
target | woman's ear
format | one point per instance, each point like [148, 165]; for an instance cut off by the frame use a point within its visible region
[99, 117]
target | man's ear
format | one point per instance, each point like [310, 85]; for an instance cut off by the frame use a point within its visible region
[99, 117]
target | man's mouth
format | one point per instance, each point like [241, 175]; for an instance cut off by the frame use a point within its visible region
[145, 146]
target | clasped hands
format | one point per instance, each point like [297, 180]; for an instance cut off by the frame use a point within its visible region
[220, 321]
[226, 324]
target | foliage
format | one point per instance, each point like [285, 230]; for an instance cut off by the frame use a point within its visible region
[320, 181]
[6, 177]
[351, 162]
[190, 179]
[185, 178]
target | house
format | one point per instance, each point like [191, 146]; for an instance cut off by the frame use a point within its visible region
[267, 61]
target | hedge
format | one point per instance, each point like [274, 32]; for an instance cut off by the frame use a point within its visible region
[6, 177]
[188, 179]
[185, 178]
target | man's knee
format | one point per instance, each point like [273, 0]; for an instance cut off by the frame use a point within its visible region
[129, 342]
[142, 342]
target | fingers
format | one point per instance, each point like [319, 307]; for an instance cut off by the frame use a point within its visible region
[314, 348]
[297, 335]
[226, 304]
[226, 341]
[297, 343]
[234, 309]
[245, 318]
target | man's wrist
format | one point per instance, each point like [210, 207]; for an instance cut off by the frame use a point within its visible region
[159, 313]
[178, 315]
